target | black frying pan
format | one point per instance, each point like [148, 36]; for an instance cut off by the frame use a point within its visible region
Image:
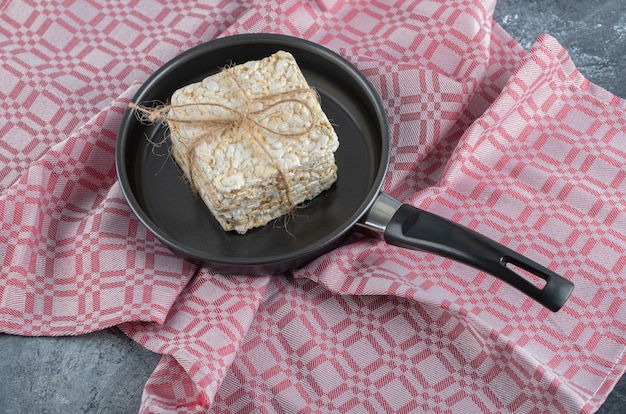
[152, 183]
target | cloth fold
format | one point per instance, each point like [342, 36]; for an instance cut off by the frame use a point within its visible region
[75, 258]
[516, 145]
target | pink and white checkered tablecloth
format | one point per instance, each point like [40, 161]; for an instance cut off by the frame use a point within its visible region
[515, 144]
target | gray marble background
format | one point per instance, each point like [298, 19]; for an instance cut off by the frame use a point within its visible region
[105, 372]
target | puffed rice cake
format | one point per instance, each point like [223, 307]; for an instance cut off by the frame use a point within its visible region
[254, 171]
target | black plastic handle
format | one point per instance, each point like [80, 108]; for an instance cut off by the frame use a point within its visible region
[420, 230]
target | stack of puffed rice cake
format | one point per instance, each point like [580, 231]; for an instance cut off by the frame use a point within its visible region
[250, 171]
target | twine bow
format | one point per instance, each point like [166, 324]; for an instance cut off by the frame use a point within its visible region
[240, 118]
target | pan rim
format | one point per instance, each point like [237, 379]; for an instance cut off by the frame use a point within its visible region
[246, 264]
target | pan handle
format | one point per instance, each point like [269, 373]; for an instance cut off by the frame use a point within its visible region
[410, 227]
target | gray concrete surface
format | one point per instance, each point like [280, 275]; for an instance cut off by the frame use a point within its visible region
[592, 31]
[105, 372]
[102, 372]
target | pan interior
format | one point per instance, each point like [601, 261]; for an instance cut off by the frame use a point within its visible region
[164, 202]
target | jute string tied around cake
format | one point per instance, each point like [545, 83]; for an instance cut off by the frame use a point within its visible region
[243, 117]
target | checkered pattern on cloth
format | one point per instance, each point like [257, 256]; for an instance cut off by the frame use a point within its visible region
[517, 145]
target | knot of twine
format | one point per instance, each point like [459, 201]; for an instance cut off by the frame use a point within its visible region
[241, 117]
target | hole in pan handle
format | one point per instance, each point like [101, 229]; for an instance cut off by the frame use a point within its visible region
[409, 227]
